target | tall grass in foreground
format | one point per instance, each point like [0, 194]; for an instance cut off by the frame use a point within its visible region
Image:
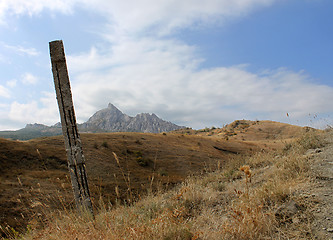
[240, 201]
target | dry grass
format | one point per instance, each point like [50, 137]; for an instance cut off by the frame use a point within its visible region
[149, 161]
[243, 200]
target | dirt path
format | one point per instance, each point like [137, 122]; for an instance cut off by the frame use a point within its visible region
[321, 191]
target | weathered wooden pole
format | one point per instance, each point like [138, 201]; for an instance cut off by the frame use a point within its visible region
[75, 157]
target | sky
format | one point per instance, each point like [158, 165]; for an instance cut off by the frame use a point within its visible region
[194, 63]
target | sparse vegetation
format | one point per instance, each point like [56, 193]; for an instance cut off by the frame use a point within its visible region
[242, 200]
[143, 162]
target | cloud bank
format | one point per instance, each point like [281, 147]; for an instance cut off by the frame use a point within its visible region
[165, 77]
[142, 67]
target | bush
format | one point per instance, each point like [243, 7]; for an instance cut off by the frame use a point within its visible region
[105, 144]
[142, 161]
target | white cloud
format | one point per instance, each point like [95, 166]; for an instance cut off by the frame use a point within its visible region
[5, 122]
[29, 79]
[12, 83]
[162, 76]
[43, 111]
[136, 69]
[32, 7]
[140, 71]
[135, 16]
[4, 92]
[168, 15]
[22, 50]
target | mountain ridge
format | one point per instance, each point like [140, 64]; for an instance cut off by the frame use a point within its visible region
[109, 119]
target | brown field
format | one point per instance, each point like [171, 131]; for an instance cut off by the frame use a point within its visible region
[34, 173]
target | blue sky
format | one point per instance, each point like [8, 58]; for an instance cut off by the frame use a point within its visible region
[193, 63]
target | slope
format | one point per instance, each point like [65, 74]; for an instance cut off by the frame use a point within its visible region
[35, 171]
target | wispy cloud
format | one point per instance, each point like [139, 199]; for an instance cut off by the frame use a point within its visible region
[133, 16]
[12, 83]
[42, 111]
[4, 92]
[22, 50]
[29, 79]
[32, 7]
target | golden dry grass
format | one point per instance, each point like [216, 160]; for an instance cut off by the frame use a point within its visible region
[242, 200]
[150, 162]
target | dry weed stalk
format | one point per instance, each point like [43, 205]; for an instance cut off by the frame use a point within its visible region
[126, 179]
[248, 174]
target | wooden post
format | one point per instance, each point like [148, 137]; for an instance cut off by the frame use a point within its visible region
[75, 157]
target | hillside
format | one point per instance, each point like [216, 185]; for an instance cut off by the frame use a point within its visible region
[264, 133]
[34, 172]
[41, 163]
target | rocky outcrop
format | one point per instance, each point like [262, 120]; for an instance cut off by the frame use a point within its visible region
[111, 119]
[36, 126]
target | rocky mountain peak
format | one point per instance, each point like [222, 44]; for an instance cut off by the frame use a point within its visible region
[112, 107]
[111, 119]
[105, 114]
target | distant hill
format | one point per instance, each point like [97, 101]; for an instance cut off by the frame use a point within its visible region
[32, 131]
[264, 133]
[109, 119]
